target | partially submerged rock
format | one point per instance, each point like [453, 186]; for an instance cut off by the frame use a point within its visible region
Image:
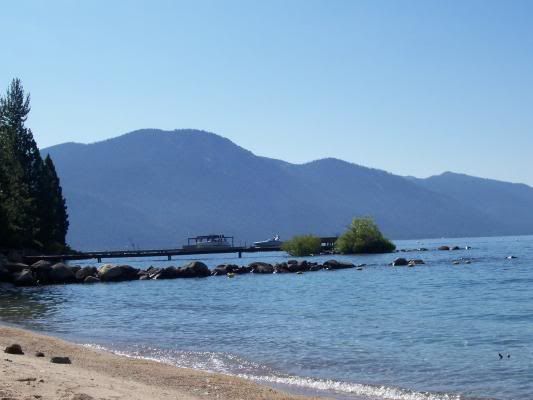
[334, 265]
[261, 268]
[400, 262]
[24, 278]
[117, 273]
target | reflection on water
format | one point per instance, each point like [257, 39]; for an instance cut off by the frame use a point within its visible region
[33, 306]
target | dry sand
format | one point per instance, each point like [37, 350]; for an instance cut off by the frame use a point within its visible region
[99, 375]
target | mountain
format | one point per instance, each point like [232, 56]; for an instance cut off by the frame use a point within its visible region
[153, 188]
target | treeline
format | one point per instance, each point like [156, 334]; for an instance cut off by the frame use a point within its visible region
[33, 212]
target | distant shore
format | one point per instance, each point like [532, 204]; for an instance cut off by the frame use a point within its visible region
[99, 375]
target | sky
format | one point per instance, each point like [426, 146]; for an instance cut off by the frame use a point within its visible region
[412, 87]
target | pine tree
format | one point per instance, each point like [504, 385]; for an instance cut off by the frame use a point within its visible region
[54, 218]
[15, 200]
[32, 208]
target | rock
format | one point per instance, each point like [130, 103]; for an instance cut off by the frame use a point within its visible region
[166, 273]
[75, 269]
[417, 261]
[42, 270]
[334, 265]
[41, 264]
[85, 272]
[456, 263]
[39, 354]
[283, 268]
[91, 279]
[14, 349]
[316, 267]
[117, 273]
[300, 266]
[60, 360]
[194, 269]
[400, 262]
[422, 249]
[444, 248]
[24, 278]
[144, 277]
[61, 273]
[15, 267]
[224, 269]
[261, 268]
[455, 248]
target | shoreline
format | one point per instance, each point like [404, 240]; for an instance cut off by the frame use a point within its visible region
[96, 374]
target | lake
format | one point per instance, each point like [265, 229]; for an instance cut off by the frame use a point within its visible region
[434, 331]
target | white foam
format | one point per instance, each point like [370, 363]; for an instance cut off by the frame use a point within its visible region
[212, 362]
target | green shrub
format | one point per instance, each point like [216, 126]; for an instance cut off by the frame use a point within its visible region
[300, 246]
[363, 236]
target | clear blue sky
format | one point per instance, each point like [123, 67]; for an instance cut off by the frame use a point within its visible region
[413, 87]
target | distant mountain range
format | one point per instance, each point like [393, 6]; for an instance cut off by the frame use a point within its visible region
[154, 188]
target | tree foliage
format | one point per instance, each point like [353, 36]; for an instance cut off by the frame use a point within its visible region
[33, 211]
[300, 246]
[363, 236]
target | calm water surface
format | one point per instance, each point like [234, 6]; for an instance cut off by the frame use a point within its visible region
[429, 332]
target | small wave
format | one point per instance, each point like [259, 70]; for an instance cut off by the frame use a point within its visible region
[235, 366]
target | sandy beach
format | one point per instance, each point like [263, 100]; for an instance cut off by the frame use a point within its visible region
[103, 376]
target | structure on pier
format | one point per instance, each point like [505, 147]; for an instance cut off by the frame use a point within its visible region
[327, 245]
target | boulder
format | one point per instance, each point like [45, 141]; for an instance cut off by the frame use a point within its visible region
[334, 265]
[194, 269]
[400, 262]
[117, 273]
[316, 267]
[299, 266]
[85, 272]
[61, 273]
[261, 268]
[416, 261]
[39, 354]
[91, 279]
[455, 248]
[166, 273]
[282, 268]
[14, 349]
[24, 278]
[42, 270]
[224, 269]
[444, 248]
[13, 267]
[75, 269]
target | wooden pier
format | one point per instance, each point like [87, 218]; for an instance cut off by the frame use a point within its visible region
[327, 245]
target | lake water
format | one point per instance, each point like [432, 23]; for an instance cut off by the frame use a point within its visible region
[430, 332]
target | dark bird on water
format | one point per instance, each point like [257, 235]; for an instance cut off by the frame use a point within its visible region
[500, 354]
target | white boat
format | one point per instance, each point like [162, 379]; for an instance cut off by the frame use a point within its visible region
[273, 242]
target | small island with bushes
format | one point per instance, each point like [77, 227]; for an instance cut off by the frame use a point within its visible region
[362, 237]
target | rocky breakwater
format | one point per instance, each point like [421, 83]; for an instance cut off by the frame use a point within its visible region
[46, 273]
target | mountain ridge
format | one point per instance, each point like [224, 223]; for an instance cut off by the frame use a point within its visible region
[155, 188]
